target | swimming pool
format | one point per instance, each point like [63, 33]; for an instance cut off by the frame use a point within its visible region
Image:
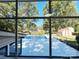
[39, 46]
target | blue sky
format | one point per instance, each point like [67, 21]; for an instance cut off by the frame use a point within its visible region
[40, 6]
[77, 6]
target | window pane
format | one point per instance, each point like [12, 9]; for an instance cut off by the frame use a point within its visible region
[64, 33]
[64, 8]
[7, 36]
[7, 9]
[36, 40]
[32, 9]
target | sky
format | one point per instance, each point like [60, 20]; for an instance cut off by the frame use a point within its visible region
[77, 6]
[40, 6]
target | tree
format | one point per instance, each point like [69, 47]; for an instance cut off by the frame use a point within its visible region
[7, 24]
[26, 26]
[7, 10]
[28, 9]
[60, 8]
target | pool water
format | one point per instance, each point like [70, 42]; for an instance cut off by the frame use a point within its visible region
[35, 46]
[39, 46]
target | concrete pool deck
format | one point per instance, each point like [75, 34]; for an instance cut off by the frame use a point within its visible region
[7, 38]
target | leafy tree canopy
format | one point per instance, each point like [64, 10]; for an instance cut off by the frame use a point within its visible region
[60, 8]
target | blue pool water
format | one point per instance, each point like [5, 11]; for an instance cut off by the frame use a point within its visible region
[39, 46]
[35, 46]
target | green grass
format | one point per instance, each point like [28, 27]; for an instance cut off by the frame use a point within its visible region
[38, 32]
[68, 38]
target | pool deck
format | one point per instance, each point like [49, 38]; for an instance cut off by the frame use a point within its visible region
[4, 41]
[7, 38]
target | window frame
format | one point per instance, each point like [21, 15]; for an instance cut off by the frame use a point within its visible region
[50, 41]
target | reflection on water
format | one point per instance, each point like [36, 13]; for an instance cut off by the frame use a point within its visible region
[38, 47]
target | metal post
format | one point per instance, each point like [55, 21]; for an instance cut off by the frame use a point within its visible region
[8, 50]
[20, 45]
[50, 41]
